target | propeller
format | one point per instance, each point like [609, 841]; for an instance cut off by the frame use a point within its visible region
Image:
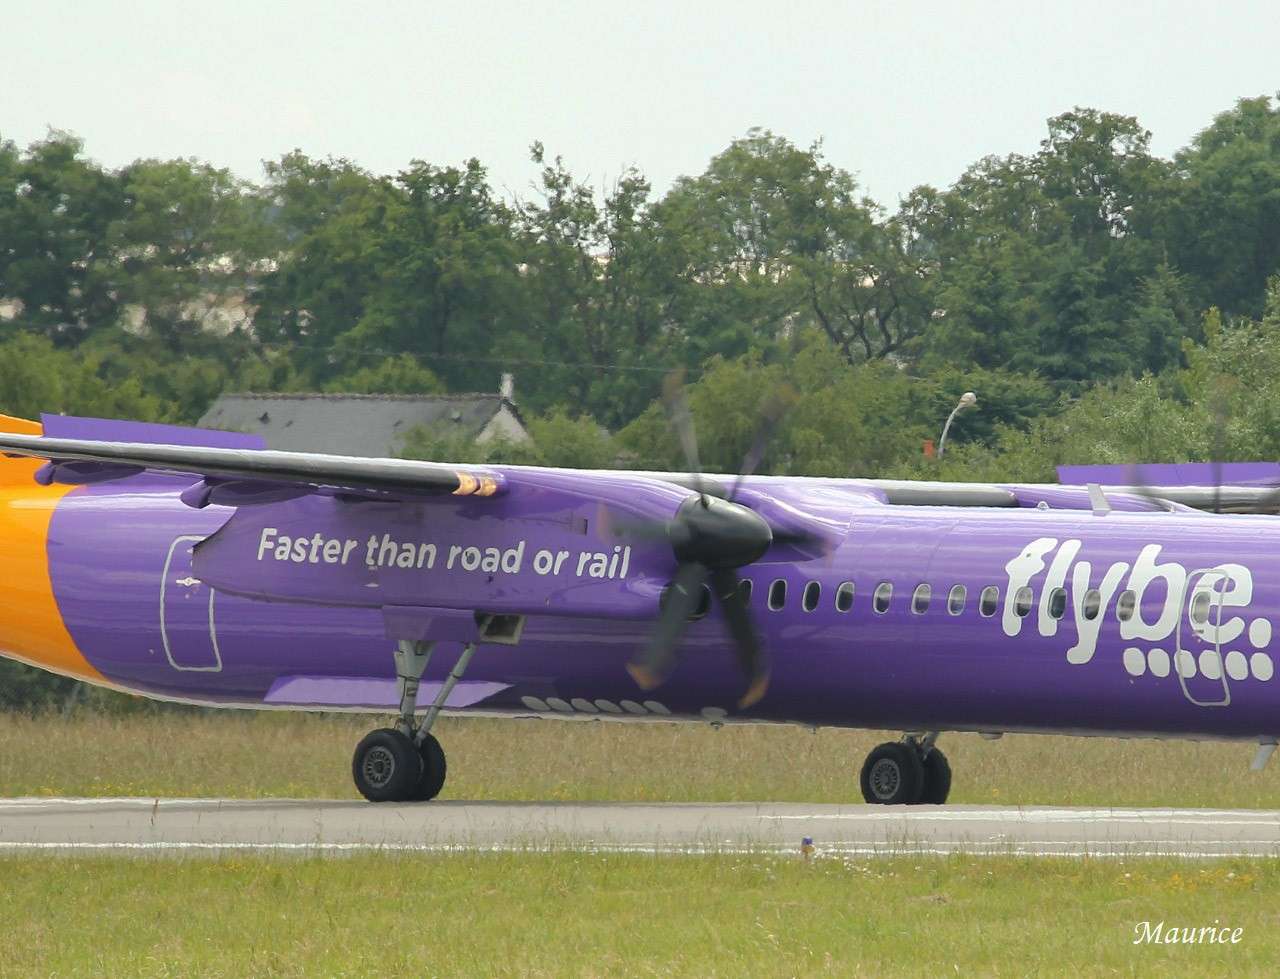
[1217, 431]
[711, 538]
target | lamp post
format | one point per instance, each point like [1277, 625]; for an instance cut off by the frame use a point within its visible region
[967, 400]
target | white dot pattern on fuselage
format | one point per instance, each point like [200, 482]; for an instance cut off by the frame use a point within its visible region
[1134, 661]
[1237, 665]
[1211, 664]
[1158, 660]
[1260, 633]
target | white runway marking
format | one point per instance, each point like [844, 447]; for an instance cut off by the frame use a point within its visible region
[1189, 817]
[175, 826]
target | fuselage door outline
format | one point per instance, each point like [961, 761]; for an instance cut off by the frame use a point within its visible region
[211, 662]
[1210, 583]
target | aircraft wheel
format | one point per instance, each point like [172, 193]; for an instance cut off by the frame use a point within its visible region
[937, 778]
[386, 766]
[893, 775]
[434, 769]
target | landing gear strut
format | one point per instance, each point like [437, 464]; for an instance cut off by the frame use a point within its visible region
[908, 772]
[406, 763]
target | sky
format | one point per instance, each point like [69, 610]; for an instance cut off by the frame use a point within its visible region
[901, 93]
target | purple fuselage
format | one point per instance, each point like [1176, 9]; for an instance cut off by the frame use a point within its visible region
[283, 604]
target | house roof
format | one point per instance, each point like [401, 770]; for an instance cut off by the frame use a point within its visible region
[353, 424]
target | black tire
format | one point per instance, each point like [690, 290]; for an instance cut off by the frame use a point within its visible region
[937, 779]
[434, 770]
[386, 766]
[892, 775]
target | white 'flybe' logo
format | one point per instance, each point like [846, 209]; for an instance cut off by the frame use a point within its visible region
[1226, 587]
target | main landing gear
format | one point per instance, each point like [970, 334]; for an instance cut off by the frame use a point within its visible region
[405, 763]
[908, 772]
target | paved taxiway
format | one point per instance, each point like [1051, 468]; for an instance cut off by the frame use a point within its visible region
[185, 825]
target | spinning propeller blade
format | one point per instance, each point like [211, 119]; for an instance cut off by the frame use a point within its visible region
[680, 419]
[727, 589]
[680, 601]
[770, 415]
[711, 539]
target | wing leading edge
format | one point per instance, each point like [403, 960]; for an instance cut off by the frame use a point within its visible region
[81, 460]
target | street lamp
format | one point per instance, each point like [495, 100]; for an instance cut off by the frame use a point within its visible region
[967, 400]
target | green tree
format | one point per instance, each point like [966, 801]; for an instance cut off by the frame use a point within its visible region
[595, 295]
[446, 274]
[330, 218]
[1007, 400]
[55, 211]
[730, 236]
[1040, 260]
[1160, 319]
[391, 375]
[557, 439]
[839, 420]
[1226, 219]
[184, 248]
[36, 377]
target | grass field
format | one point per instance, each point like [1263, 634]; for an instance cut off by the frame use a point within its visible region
[576, 915]
[572, 914]
[258, 755]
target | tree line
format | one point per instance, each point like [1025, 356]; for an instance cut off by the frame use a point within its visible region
[148, 289]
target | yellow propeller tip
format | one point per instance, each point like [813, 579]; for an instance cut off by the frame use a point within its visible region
[759, 687]
[645, 679]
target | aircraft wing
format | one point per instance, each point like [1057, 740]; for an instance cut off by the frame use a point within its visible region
[86, 460]
[83, 460]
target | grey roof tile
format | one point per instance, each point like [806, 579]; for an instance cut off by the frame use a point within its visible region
[352, 424]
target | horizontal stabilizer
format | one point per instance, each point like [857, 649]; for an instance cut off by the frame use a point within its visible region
[1174, 474]
[143, 433]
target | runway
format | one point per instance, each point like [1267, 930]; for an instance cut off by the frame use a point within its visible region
[172, 826]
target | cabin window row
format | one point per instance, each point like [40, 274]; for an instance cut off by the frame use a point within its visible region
[881, 597]
[956, 600]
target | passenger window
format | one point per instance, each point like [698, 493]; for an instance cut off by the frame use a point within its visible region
[1092, 603]
[812, 595]
[777, 595]
[704, 603]
[1125, 605]
[1023, 599]
[956, 600]
[920, 599]
[989, 601]
[883, 595]
[844, 596]
[1200, 608]
[744, 589]
[1057, 603]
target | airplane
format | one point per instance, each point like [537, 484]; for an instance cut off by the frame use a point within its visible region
[198, 566]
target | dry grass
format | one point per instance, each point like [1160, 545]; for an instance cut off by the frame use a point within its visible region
[580, 915]
[257, 755]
